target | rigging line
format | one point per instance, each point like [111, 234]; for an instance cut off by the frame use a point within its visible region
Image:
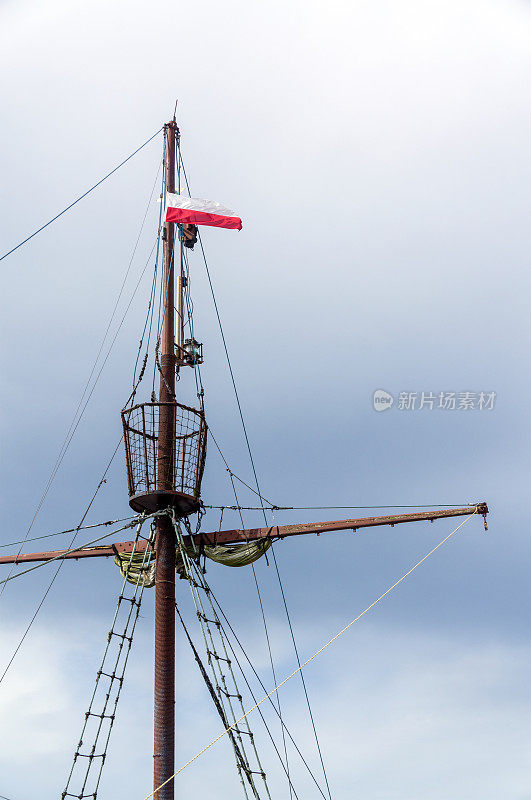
[199, 383]
[65, 552]
[199, 389]
[251, 459]
[162, 193]
[165, 311]
[108, 351]
[273, 506]
[187, 287]
[299, 663]
[253, 696]
[27, 239]
[187, 295]
[89, 396]
[106, 333]
[190, 311]
[284, 726]
[148, 313]
[158, 329]
[77, 414]
[266, 631]
[241, 761]
[317, 653]
[152, 294]
[172, 264]
[330, 508]
[69, 530]
[48, 589]
[223, 680]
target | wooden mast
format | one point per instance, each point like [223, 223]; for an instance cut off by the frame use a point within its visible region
[164, 695]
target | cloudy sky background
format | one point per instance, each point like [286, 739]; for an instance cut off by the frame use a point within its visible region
[379, 157]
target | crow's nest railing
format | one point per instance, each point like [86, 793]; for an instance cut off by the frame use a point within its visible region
[167, 471]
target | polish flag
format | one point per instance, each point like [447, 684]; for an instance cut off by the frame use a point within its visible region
[200, 212]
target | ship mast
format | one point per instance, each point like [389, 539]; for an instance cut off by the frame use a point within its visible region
[165, 451]
[164, 699]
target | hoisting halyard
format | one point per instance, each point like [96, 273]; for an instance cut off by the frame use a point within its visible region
[165, 449]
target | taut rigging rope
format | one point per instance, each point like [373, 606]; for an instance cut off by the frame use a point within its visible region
[138, 149]
[317, 653]
[258, 490]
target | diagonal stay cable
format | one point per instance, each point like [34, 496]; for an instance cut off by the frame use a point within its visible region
[253, 696]
[102, 367]
[60, 214]
[200, 393]
[69, 530]
[262, 685]
[240, 757]
[232, 476]
[64, 553]
[268, 642]
[317, 653]
[78, 414]
[258, 491]
[61, 562]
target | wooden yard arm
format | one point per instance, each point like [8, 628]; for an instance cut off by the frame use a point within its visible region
[252, 534]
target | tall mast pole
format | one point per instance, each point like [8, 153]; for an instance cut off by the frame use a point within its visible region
[164, 706]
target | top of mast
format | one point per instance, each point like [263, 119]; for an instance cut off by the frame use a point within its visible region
[165, 441]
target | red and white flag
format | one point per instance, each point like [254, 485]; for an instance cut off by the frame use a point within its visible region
[200, 212]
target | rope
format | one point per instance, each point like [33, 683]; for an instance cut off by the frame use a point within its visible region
[150, 307]
[68, 530]
[190, 311]
[288, 617]
[80, 197]
[200, 395]
[76, 419]
[257, 676]
[327, 508]
[49, 587]
[268, 642]
[64, 553]
[258, 492]
[162, 192]
[215, 699]
[233, 474]
[234, 655]
[215, 661]
[321, 649]
[161, 322]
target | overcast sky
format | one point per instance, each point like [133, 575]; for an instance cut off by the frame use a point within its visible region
[378, 154]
